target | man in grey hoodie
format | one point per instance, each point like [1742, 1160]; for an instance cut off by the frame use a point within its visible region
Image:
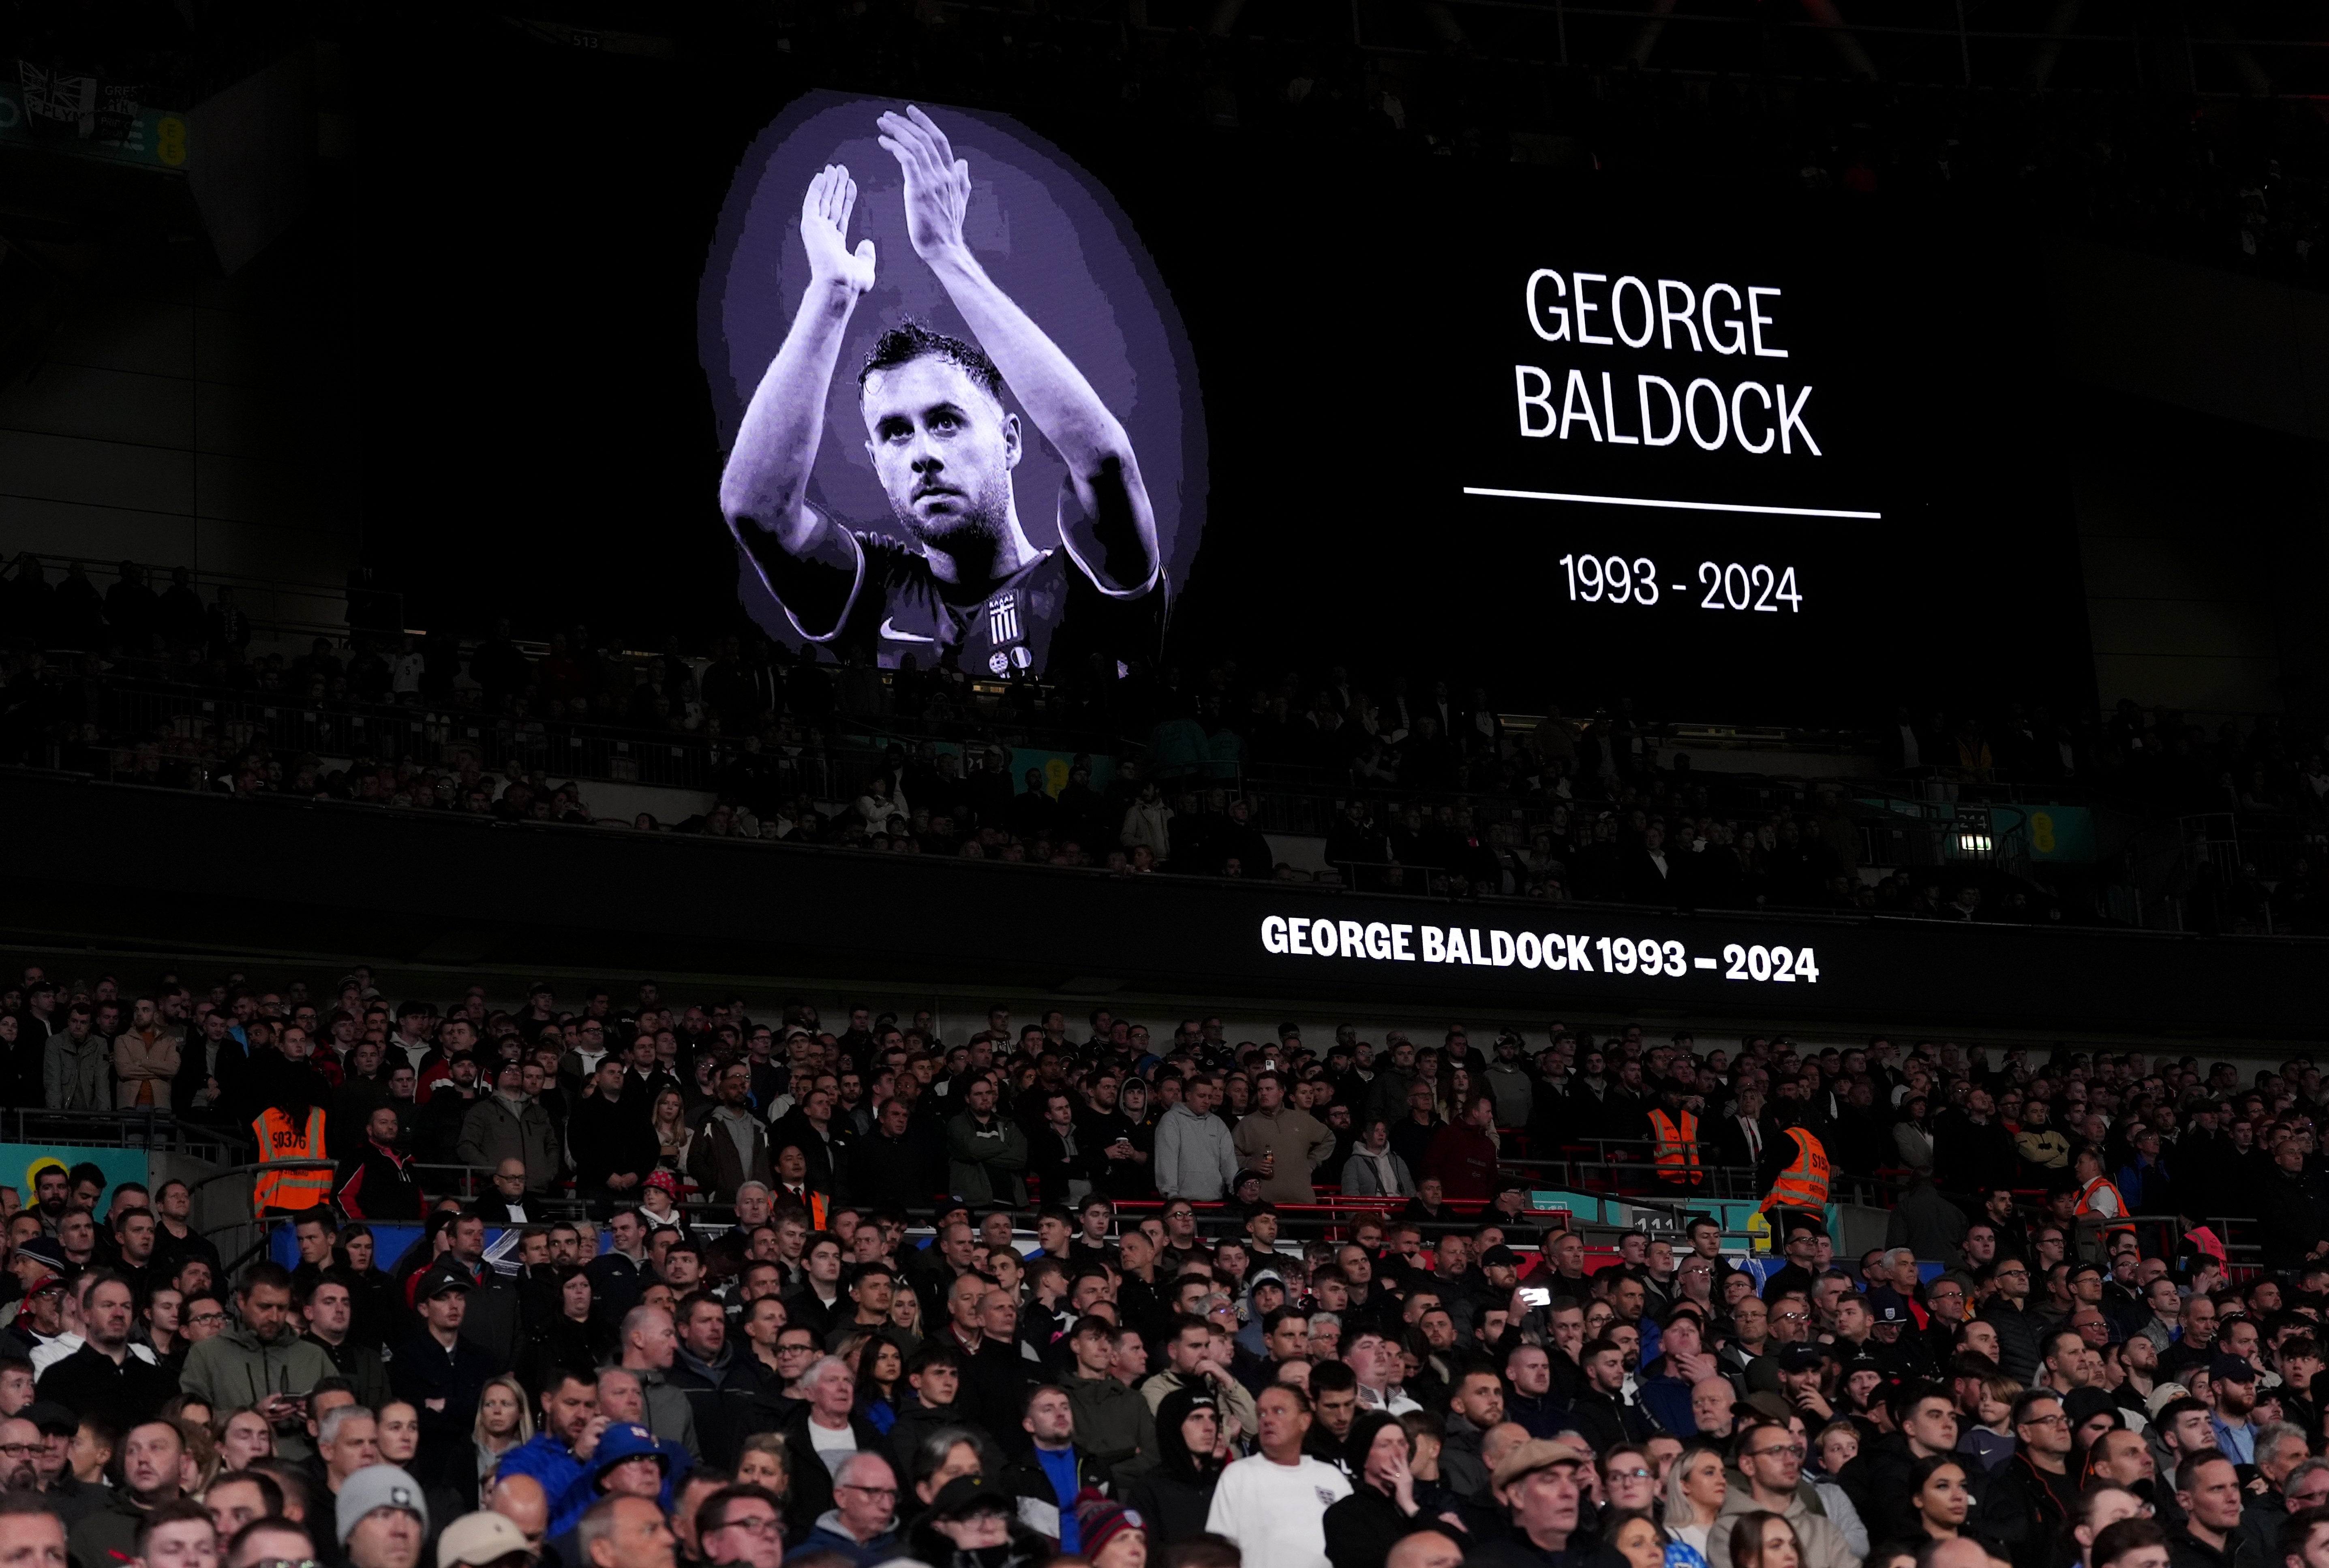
[1194, 1158]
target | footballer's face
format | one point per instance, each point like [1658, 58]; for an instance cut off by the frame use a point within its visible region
[943, 448]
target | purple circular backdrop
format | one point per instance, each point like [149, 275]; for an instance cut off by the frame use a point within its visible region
[1045, 231]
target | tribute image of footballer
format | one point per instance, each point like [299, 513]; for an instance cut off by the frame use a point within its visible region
[970, 585]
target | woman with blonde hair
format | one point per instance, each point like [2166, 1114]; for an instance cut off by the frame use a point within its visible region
[673, 1134]
[1695, 1486]
[906, 1319]
[503, 1423]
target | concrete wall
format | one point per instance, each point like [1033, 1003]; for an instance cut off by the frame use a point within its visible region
[2194, 405]
[2186, 525]
[209, 425]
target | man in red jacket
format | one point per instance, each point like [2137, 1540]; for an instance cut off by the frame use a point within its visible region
[375, 1181]
[1463, 1154]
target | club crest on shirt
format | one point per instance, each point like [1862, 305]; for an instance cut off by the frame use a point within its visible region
[1003, 618]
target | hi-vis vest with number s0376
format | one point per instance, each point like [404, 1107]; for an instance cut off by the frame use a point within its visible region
[279, 1139]
[1804, 1183]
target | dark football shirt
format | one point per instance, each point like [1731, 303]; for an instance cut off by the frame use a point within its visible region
[898, 606]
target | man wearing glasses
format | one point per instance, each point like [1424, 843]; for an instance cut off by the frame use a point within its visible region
[1800, 1246]
[2007, 1310]
[1944, 1314]
[2033, 1492]
[20, 1452]
[859, 1526]
[1772, 1458]
[741, 1526]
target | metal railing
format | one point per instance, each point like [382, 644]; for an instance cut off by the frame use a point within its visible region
[303, 610]
[140, 1127]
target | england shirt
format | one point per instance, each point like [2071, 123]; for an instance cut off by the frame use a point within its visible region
[1276, 1514]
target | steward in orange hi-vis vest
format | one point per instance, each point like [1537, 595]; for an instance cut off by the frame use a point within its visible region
[281, 1139]
[1802, 1182]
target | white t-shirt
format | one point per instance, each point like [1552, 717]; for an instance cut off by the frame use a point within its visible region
[832, 1444]
[47, 1354]
[1276, 1513]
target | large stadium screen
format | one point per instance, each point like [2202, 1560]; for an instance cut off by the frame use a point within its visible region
[1032, 408]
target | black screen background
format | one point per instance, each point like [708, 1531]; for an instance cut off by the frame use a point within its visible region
[541, 441]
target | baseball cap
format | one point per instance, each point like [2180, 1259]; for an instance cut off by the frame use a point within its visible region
[378, 1486]
[2238, 1368]
[1499, 1257]
[44, 1282]
[2162, 1395]
[1538, 1454]
[1802, 1358]
[439, 1280]
[965, 1494]
[479, 1539]
[625, 1441]
[1766, 1403]
[1265, 1277]
[54, 1419]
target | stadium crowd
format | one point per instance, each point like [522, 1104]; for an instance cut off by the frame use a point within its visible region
[768, 1290]
[1414, 784]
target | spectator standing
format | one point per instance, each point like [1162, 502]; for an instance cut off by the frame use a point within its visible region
[1463, 1154]
[1176, 1495]
[152, 1470]
[732, 1147]
[1373, 1171]
[507, 1124]
[1770, 1463]
[75, 1069]
[1195, 1158]
[442, 1375]
[260, 1361]
[1283, 1142]
[1113, 1423]
[147, 1056]
[103, 1378]
[1274, 1505]
[614, 1147]
[1147, 824]
[375, 1180]
[861, 1524]
[1047, 1480]
[985, 1154]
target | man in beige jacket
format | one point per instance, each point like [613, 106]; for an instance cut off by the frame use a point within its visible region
[146, 1057]
[1283, 1144]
